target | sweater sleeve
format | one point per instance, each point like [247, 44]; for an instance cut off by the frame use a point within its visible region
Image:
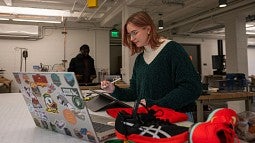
[187, 83]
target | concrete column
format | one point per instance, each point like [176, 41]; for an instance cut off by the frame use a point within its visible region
[127, 59]
[236, 45]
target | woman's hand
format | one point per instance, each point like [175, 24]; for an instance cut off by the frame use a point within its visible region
[143, 101]
[107, 86]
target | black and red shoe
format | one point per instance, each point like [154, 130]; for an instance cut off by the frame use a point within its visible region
[146, 128]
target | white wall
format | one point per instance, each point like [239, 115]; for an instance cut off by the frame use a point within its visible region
[50, 50]
[209, 47]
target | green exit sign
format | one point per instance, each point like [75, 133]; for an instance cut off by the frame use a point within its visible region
[115, 33]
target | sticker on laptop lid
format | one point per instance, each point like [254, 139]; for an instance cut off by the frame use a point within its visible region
[26, 78]
[70, 91]
[55, 79]
[69, 116]
[69, 79]
[16, 76]
[51, 88]
[63, 101]
[60, 124]
[35, 89]
[78, 102]
[40, 80]
[50, 103]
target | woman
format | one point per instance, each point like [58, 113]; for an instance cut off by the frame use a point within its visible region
[163, 73]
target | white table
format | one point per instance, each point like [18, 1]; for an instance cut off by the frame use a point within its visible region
[17, 125]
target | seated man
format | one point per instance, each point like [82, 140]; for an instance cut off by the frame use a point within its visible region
[83, 66]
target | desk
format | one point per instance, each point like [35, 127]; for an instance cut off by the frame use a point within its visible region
[218, 96]
[90, 87]
[17, 125]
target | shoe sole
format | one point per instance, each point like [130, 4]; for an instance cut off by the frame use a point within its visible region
[209, 118]
[193, 127]
[212, 114]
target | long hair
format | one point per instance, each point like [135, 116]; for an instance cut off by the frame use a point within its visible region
[140, 19]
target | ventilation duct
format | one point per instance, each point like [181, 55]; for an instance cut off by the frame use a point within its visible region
[14, 31]
[209, 28]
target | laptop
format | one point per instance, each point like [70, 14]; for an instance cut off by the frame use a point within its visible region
[55, 103]
[103, 100]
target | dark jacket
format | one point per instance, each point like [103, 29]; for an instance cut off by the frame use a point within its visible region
[82, 67]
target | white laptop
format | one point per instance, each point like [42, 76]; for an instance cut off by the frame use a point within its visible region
[55, 103]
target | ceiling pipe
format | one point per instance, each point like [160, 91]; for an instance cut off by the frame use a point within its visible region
[74, 5]
[83, 10]
[208, 15]
[8, 2]
[113, 14]
[189, 4]
[202, 36]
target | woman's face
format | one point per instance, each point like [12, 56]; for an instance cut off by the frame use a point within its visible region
[138, 35]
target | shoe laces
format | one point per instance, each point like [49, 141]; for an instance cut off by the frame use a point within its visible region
[150, 117]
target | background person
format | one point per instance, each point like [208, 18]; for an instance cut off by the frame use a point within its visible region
[83, 66]
[163, 73]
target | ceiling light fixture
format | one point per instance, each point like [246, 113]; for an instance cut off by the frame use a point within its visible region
[160, 23]
[33, 20]
[222, 3]
[4, 18]
[37, 11]
[176, 2]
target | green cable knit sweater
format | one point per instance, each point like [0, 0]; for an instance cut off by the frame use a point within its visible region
[170, 80]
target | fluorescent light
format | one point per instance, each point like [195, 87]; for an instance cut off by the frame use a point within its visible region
[31, 20]
[160, 24]
[37, 11]
[14, 36]
[250, 33]
[222, 3]
[4, 18]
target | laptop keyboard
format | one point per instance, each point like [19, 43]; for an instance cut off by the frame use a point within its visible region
[99, 127]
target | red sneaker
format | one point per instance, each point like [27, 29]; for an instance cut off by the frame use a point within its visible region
[208, 132]
[223, 115]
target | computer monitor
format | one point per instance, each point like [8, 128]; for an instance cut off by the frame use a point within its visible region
[218, 62]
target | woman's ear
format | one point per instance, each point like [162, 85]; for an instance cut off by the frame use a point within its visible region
[148, 29]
